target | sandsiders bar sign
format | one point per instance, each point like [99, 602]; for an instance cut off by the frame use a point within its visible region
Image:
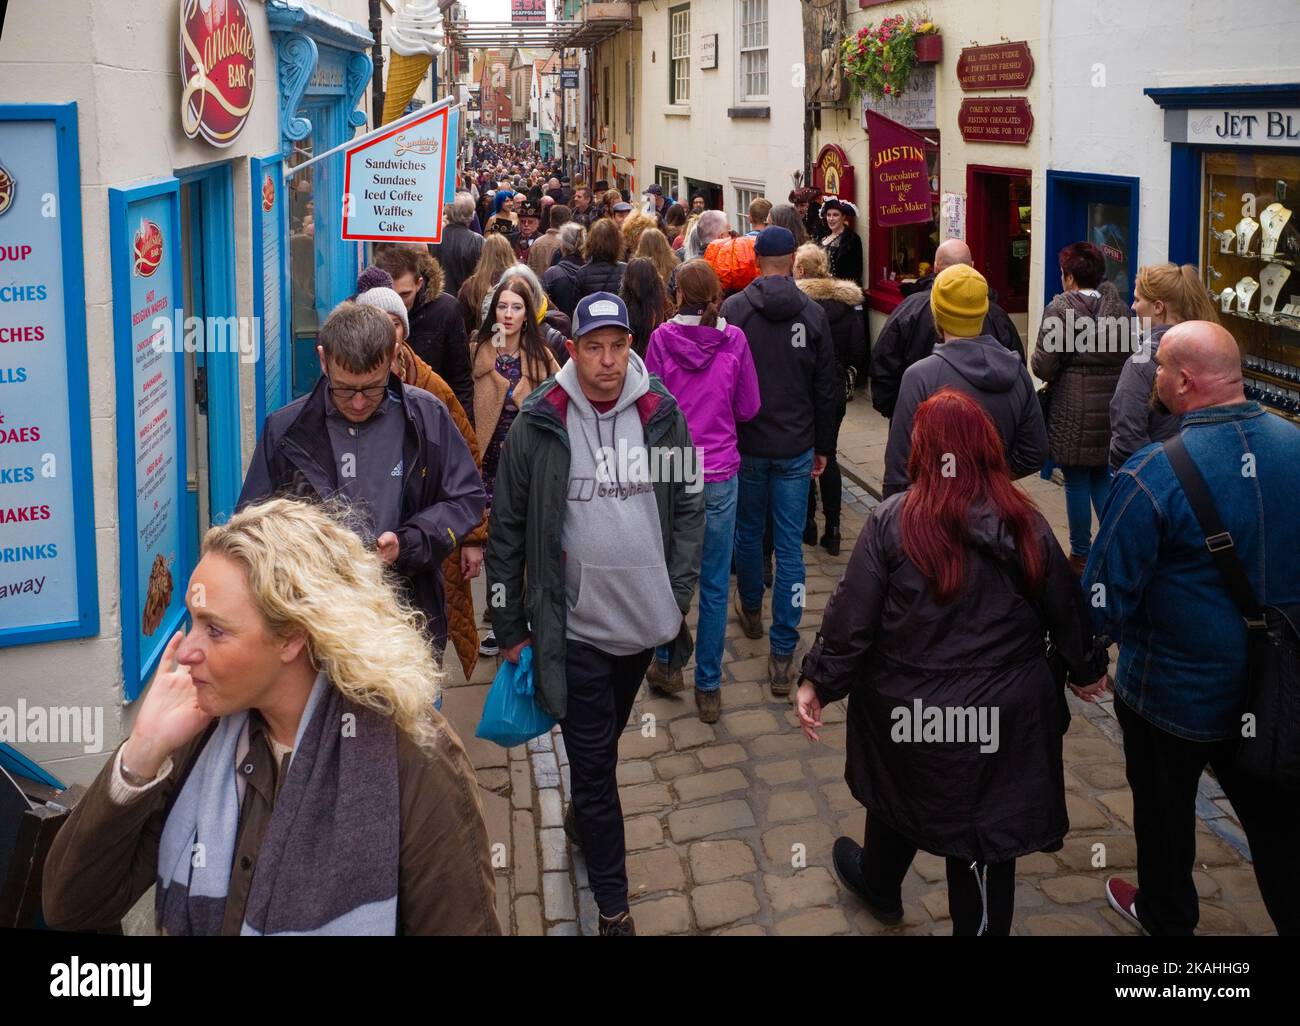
[218, 69]
[395, 182]
[900, 182]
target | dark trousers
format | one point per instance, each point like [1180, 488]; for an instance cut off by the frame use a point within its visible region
[1163, 771]
[831, 483]
[602, 688]
[973, 891]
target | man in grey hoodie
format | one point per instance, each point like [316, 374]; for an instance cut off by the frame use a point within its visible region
[973, 363]
[593, 555]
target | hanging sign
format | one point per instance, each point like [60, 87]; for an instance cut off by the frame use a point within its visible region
[1003, 120]
[568, 78]
[900, 179]
[149, 361]
[48, 584]
[218, 71]
[998, 66]
[528, 12]
[395, 183]
[833, 174]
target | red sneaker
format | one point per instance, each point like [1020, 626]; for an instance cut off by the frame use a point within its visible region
[1122, 896]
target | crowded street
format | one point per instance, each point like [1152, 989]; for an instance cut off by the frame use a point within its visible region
[542, 468]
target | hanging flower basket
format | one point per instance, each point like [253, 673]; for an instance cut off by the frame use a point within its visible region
[878, 59]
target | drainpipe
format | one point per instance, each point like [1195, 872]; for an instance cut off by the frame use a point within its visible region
[377, 56]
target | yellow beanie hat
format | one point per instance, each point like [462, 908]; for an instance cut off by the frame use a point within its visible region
[959, 300]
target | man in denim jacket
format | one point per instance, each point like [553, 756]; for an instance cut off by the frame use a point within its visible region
[1180, 683]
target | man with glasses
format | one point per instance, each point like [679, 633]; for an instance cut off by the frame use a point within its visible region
[390, 452]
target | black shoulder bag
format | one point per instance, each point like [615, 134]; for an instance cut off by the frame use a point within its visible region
[1272, 641]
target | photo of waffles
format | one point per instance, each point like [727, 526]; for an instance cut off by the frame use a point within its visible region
[158, 596]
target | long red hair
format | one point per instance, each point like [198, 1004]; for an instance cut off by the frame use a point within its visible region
[957, 464]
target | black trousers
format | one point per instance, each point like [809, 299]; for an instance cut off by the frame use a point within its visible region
[1163, 771]
[973, 891]
[831, 483]
[602, 688]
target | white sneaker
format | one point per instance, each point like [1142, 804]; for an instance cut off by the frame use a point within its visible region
[488, 646]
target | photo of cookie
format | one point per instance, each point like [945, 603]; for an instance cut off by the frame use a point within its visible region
[159, 595]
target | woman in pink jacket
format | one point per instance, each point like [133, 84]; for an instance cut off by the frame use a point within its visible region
[706, 364]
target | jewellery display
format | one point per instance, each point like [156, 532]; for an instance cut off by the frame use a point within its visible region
[1271, 279]
[1246, 289]
[1226, 239]
[1273, 220]
[1247, 228]
[1225, 299]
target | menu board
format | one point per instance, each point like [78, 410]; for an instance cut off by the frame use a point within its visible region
[47, 546]
[395, 183]
[150, 364]
[270, 276]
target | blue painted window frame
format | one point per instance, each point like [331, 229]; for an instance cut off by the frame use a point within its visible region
[1063, 213]
[119, 203]
[259, 168]
[217, 210]
[64, 116]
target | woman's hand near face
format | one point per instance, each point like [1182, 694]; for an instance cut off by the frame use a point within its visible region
[169, 716]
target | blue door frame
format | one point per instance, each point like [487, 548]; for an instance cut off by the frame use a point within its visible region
[210, 234]
[1068, 196]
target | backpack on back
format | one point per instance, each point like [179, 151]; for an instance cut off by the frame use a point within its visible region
[733, 260]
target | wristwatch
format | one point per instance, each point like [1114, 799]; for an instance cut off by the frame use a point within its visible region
[134, 779]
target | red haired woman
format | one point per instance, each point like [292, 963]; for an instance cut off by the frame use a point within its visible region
[938, 633]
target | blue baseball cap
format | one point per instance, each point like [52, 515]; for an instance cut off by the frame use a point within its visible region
[774, 241]
[599, 310]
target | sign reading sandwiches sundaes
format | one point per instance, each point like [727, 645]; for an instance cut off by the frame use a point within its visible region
[218, 70]
[394, 184]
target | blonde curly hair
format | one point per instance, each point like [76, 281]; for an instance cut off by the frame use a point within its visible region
[308, 572]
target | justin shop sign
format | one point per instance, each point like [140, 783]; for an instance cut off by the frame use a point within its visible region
[218, 69]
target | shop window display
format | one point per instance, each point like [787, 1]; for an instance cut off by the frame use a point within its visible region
[1252, 268]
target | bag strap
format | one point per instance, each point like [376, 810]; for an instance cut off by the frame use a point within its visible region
[1223, 550]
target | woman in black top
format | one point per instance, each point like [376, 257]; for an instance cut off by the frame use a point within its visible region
[842, 245]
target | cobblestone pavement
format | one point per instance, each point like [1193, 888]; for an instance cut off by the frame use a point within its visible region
[729, 826]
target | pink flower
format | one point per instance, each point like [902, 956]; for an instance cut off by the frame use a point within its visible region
[889, 89]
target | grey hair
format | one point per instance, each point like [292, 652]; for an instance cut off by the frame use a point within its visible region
[516, 271]
[711, 225]
[358, 338]
[573, 237]
[461, 210]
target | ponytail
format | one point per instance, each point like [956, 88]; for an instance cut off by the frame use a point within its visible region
[709, 315]
[1180, 289]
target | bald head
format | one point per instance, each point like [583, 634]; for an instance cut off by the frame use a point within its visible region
[951, 252]
[1199, 366]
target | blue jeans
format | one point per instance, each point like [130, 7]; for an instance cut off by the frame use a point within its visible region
[1084, 486]
[715, 582]
[782, 487]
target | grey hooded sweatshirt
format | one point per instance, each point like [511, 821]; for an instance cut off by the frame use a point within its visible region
[620, 597]
[990, 374]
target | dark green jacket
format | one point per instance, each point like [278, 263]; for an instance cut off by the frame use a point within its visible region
[525, 558]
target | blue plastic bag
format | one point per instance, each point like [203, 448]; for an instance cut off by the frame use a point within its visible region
[511, 714]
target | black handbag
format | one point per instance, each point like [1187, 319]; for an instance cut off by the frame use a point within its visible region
[1272, 752]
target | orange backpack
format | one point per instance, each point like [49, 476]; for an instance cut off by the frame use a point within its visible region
[733, 260]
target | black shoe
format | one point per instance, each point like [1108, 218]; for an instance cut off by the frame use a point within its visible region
[571, 827]
[810, 532]
[620, 926]
[831, 541]
[488, 646]
[847, 856]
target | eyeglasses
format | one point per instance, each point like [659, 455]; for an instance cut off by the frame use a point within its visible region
[371, 393]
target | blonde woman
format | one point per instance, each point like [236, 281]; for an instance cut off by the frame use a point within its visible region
[654, 247]
[634, 225]
[1164, 295]
[496, 256]
[291, 732]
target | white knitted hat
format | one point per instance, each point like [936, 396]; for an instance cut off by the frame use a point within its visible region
[388, 301]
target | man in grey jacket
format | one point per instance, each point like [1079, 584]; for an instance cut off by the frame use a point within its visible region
[594, 551]
[972, 363]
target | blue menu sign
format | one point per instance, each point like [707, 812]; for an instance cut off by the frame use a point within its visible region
[150, 362]
[48, 580]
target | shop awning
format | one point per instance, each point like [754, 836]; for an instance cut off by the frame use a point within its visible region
[551, 35]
